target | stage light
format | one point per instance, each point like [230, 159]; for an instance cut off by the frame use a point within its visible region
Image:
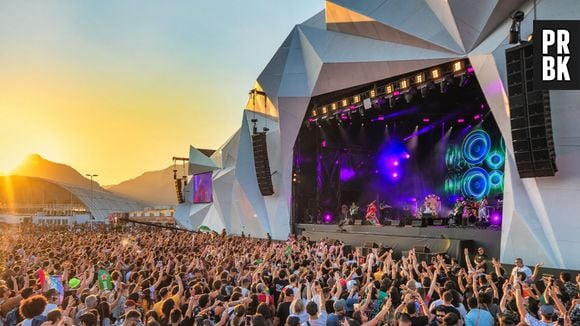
[410, 94]
[476, 117]
[435, 73]
[395, 175]
[356, 99]
[460, 120]
[444, 84]
[324, 110]
[389, 89]
[372, 93]
[327, 218]
[333, 106]
[419, 78]
[514, 36]
[314, 112]
[426, 119]
[396, 163]
[392, 102]
[407, 156]
[463, 80]
[344, 102]
[457, 66]
[404, 83]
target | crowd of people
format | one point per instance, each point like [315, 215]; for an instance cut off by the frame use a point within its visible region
[150, 276]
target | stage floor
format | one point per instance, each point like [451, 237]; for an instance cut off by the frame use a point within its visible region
[403, 238]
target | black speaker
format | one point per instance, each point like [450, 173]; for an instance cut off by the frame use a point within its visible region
[418, 223]
[530, 115]
[262, 164]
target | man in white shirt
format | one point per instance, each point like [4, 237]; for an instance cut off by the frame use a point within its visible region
[520, 268]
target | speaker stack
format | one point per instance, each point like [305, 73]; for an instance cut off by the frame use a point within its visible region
[530, 115]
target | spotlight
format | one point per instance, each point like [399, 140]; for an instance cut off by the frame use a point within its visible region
[425, 88]
[313, 113]
[410, 94]
[517, 18]
[444, 84]
[404, 83]
[463, 80]
[333, 106]
[392, 102]
[389, 89]
[324, 110]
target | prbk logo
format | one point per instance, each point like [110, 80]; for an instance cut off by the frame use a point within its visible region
[556, 54]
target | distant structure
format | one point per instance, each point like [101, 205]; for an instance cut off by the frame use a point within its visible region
[37, 200]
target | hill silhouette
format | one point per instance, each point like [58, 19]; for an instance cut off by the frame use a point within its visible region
[37, 166]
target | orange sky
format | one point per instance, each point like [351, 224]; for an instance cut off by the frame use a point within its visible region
[116, 91]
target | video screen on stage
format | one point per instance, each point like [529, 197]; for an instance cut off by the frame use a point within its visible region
[202, 188]
[434, 154]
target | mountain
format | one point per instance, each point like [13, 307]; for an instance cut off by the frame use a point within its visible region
[37, 166]
[154, 187]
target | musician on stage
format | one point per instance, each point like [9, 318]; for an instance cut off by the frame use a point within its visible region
[371, 215]
[457, 212]
[353, 213]
[344, 217]
[482, 213]
[383, 207]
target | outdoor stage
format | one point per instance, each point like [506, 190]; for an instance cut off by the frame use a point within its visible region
[438, 239]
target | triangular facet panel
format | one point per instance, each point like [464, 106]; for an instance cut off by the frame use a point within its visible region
[424, 26]
[343, 20]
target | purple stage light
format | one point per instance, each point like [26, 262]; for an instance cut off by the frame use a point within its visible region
[396, 93]
[407, 156]
[495, 218]
[344, 117]
[395, 174]
[324, 143]
[336, 162]
[426, 119]
[413, 199]
[346, 174]
[477, 117]
[482, 106]
[396, 163]
[327, 218]
[470, 70]
[460, 120]
[381, 118]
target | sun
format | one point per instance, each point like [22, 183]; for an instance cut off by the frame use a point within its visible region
[9, 163]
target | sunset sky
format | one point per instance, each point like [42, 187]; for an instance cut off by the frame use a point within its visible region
[117, 88]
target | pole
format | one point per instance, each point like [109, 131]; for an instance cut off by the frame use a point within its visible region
[90, 175]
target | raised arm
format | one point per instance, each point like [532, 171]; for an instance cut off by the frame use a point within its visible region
[537, 269]
[520, 302]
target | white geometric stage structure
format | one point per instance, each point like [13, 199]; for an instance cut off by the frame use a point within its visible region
[354, 42]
